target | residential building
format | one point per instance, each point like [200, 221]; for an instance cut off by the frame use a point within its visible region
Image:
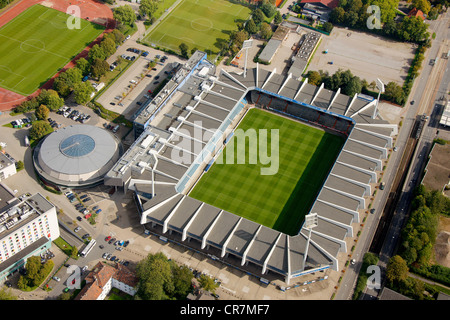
[27, 228]
[7, 166]
[104, 277]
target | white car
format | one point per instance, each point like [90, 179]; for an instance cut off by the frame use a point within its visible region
[56, 279]
[84, 269]
[77, 229]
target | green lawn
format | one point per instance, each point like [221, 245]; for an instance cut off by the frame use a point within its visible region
[201, 24]
[278, 201]
[37, 44]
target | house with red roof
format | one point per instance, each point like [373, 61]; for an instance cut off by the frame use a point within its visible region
[416, 13]
[103, 277]
[330, 4]
[318, 9]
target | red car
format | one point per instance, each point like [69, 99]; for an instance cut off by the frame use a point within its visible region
[108, 238]
[88, 216]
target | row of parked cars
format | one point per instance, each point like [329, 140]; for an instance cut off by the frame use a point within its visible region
[75, 115]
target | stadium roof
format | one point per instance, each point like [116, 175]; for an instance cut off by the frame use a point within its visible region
[76, 155]
[338, 205]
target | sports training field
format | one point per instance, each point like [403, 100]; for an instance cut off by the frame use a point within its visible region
[200, 24]
[37, 44]
[278, 201]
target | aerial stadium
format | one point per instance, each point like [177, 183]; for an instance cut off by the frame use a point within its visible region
[76, 156]
[332, 148]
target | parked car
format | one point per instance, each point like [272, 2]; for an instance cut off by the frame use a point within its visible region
[77, 229]
[56, 279]
[108, 238]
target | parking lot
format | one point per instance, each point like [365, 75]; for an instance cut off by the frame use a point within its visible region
[367, 56]
[131, 90]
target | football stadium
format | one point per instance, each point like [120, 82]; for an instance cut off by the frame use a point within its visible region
[331, 151]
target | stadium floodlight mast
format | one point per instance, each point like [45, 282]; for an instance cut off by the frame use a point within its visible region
[247, 44]
[154, 154]
[311, 221]
[380, 86]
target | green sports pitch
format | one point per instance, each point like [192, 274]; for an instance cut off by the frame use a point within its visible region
[36, 44]
[279, 201]
[201, 24]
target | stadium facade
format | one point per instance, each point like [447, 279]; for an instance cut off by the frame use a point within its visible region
[76, 156]
[199, 93]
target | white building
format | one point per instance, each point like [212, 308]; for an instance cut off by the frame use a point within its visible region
[7, 166]
[103, 278]
[27, 228]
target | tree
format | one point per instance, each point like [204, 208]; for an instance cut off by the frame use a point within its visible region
[327, 27]
[278, 18]
[84, 66]
[354, 85]
[42, 112]
[266, 30]
[396, 270]
[65, 82]
[38, 130]
[148, 8]
[82, 92]
[413, 29]
[108, 46]
[337, 15]
[239, 37]
[208, 283]
[155, 277]
[99, 68]
[184, 49]
[96, 52]
[314, 78]
[125, 15]
[388, 9]
[251, 27]
[51, 99]
[268, 9]
[393, 92]
[423, 5]
[182, 281]
[258, 16]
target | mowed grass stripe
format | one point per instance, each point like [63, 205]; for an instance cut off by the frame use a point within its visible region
[277, 201]
[201, 24]
[36, 44]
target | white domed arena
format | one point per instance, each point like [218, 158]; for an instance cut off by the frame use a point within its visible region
[76, 156]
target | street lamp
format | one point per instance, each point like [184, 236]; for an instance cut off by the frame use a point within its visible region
[247, 44]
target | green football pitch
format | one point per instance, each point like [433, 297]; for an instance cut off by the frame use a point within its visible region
[36, 44]
[201, 24]
[279, 201]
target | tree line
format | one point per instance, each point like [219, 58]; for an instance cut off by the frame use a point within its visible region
[416, 250]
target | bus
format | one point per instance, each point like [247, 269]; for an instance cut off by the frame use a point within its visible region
[88, 248]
